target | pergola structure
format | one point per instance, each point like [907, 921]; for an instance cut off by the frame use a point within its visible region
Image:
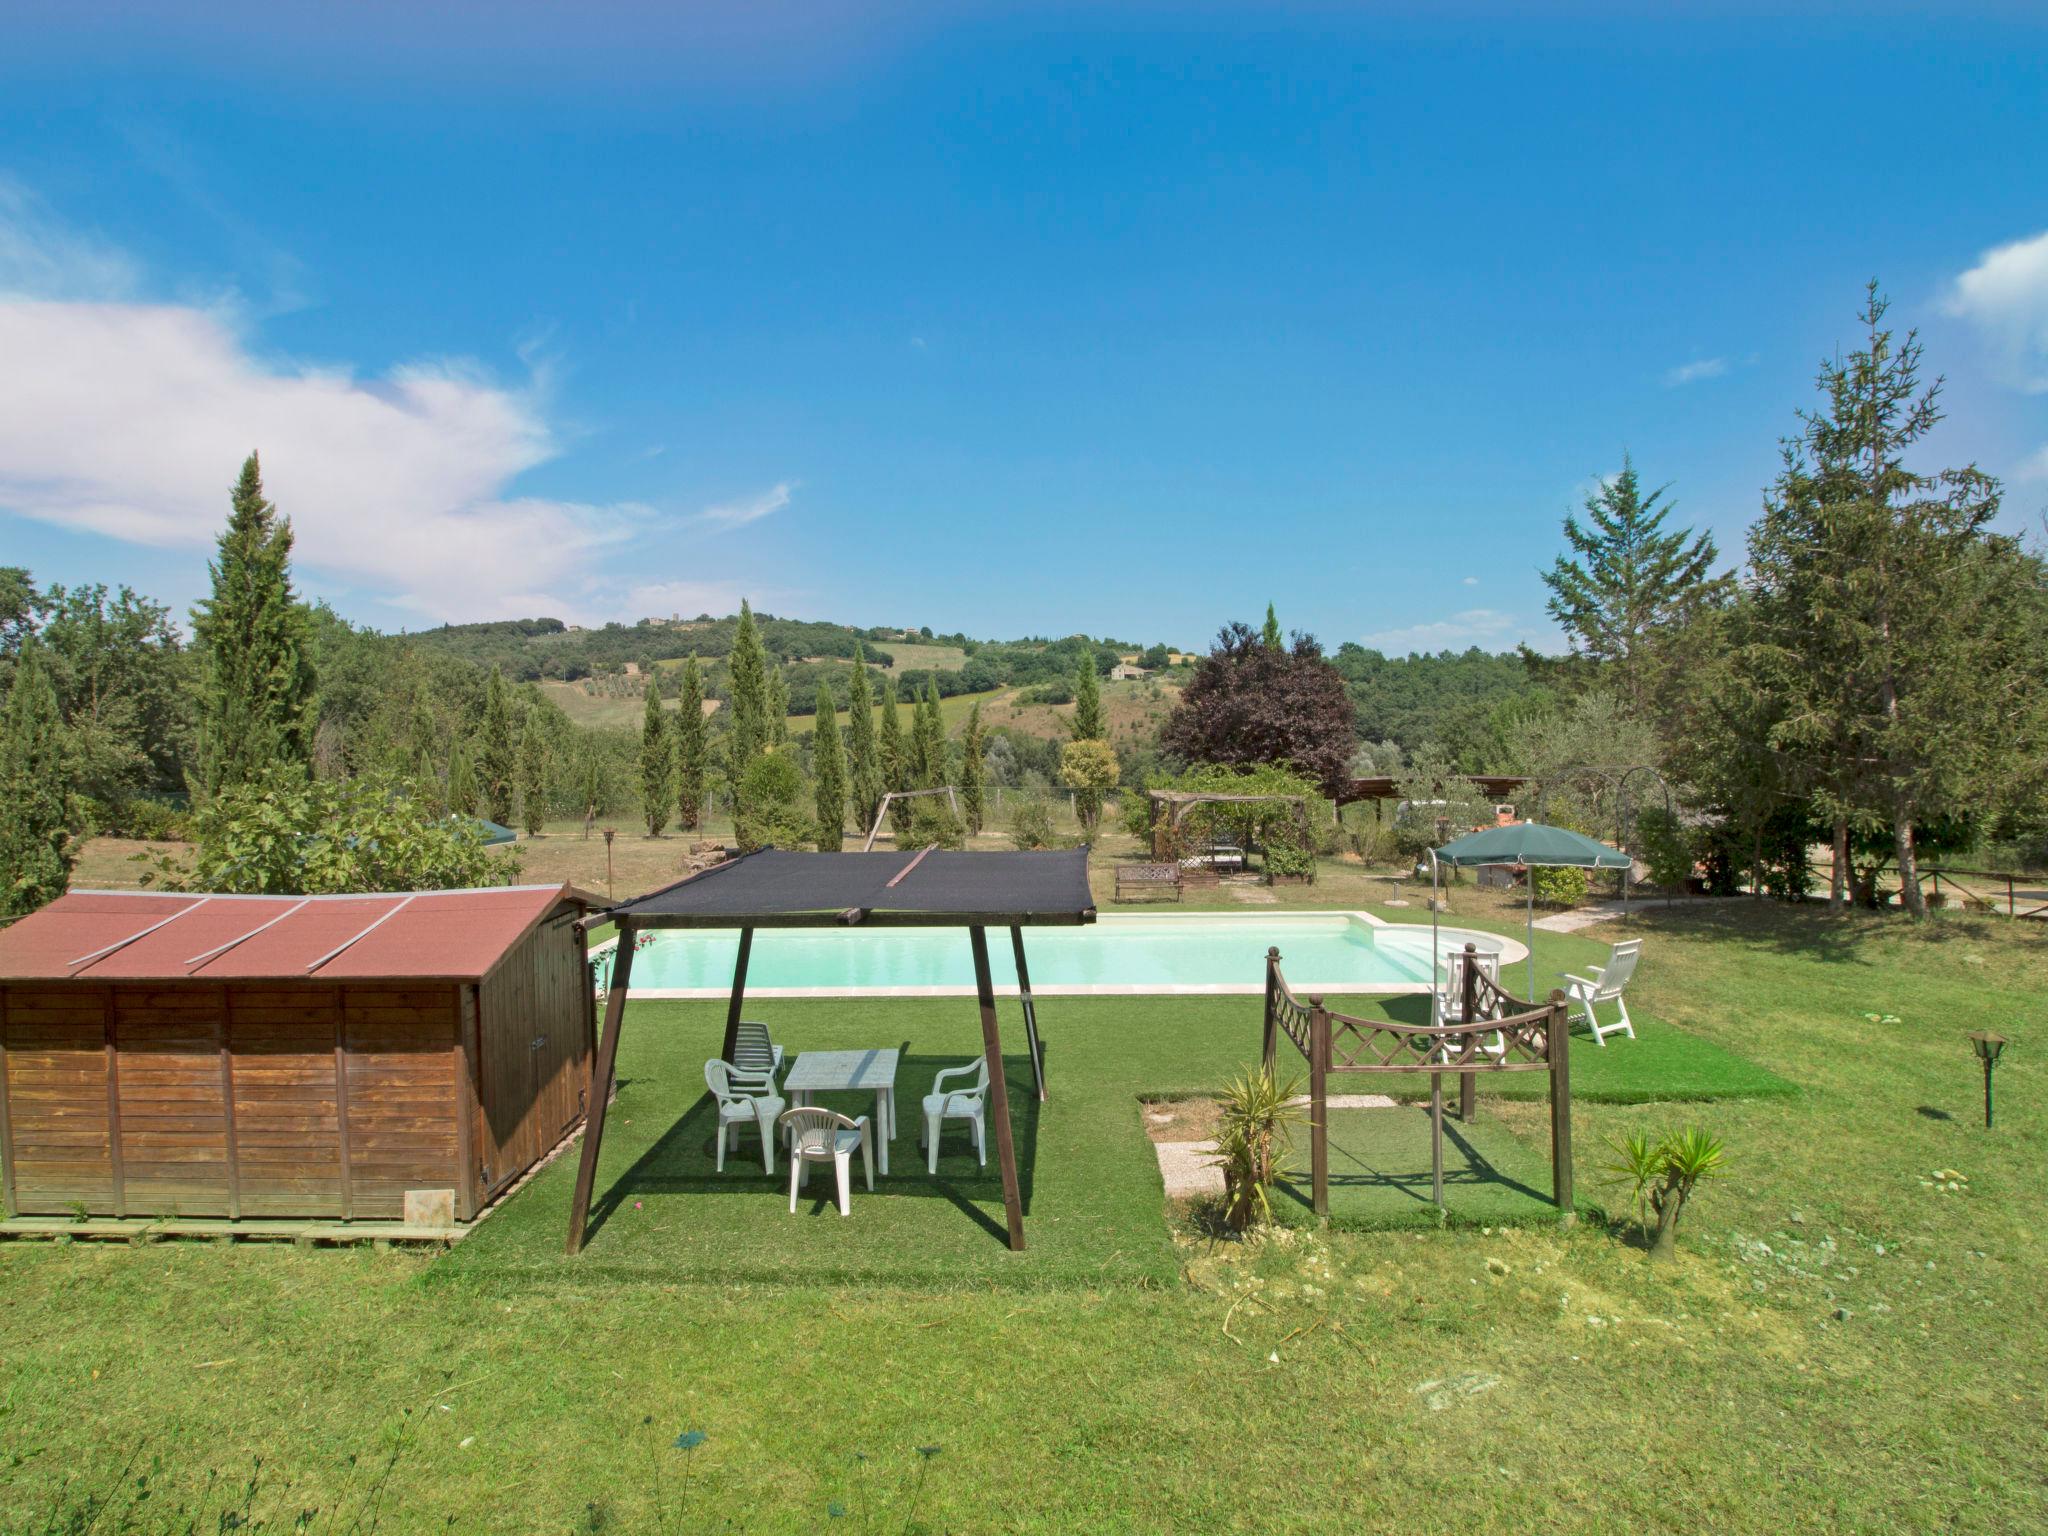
[930, 888]
[1178, 802]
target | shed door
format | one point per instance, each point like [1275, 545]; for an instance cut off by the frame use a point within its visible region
[534, 1014]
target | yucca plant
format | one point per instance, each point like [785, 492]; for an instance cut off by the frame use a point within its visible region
[1255, 1136]
[1662, 1175]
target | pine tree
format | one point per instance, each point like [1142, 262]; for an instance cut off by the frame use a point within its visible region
[657, 760]
[864, 764]
[972, 771]
[829, 762]
[893, 755]
[462, 791]
[256, 707]
[778, 706]
[533, 774]
[749, 688]
[1270, 636]
[1629, 579]
[36, 849]
[496, 751]
[1892, 615]
[692, 749]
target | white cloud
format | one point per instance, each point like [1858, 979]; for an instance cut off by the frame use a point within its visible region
[1693, 372]
[1473, 626]
[40, 256]
[2036, 467]
[659, 599]
[750, 509]
[129, 418]
[2005, 295]
[1469, 581]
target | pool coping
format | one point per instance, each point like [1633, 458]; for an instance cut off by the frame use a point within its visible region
[1513, 952]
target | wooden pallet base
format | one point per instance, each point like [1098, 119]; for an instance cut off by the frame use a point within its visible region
[305, 1233]
[149, 1229]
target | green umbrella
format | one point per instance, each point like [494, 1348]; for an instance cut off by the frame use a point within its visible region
[1530, 843]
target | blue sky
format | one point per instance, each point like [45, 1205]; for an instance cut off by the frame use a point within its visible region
[1121, 319]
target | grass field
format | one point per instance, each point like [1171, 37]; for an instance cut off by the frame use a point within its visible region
[1845, 1345]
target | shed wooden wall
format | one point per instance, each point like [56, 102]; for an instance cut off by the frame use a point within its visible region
[140, 1098]
[292, 1099]
[537, 1031]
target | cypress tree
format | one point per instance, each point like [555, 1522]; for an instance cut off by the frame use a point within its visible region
[590, 787]
[533, 774]
[864, 766]
[830, 764]
[36, 848]
[894, 758]
[749, 688]
[657, 760]
[256, 706]
[1089, 726]
[1270, 636]
[692, 748]
[496, 751]
[461, 782]
[778, 706]
[972, 772]
[927, 739]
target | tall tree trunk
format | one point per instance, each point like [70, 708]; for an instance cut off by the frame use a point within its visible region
[1838, 881]
[1910, 896]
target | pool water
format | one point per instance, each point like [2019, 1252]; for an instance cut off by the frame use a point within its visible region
[1331, 952]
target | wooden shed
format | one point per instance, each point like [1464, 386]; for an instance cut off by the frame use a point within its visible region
[363, 1057]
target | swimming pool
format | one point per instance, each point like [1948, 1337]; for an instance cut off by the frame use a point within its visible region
[1225, 953]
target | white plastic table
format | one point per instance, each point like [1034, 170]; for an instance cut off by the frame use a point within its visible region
[873, 1072]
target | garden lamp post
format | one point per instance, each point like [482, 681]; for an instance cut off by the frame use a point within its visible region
[1987, 1047]
[609, 834]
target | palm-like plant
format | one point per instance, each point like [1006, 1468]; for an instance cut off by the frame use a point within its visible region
[1256, 1134]
[1662, 1175]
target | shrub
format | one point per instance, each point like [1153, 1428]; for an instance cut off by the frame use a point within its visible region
[772, 813]
[1662, 1175]
[1666, 847]
[1287, 859]
[1561, 885]
[1031, 826]
[285, 834]
[1256, 1134]
[933, 825]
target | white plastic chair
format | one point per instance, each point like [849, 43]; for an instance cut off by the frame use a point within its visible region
[1447, 1000]
[968, 1103]
[1605, 986]
[744, 1098]
[754, 1051]
[818, 1135]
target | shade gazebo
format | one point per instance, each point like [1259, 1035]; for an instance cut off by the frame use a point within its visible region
[929, 888]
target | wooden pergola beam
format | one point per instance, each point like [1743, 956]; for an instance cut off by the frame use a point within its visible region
[998, 1087]
[602, 1079]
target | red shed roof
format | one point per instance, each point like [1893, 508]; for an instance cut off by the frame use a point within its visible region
[385, 936]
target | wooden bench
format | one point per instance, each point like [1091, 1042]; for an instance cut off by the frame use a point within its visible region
[1134, 881]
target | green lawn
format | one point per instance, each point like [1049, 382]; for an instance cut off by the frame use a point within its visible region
[1844, 1346]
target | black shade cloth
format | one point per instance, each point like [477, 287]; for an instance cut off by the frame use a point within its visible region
[773, 889]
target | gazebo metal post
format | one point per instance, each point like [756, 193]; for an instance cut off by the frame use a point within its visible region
[739, 995]
[1030, 1011]
[998, 1087]
[1557, 1041]
[1269, 1046]
[1319, 1104]
[1436, 1139]
[602, 1078]
[1468, 1010]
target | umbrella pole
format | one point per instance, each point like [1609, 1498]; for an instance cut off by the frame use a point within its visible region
[1433, 957]
[1531, 874]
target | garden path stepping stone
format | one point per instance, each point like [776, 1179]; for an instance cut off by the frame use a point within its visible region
[1188, 1168]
